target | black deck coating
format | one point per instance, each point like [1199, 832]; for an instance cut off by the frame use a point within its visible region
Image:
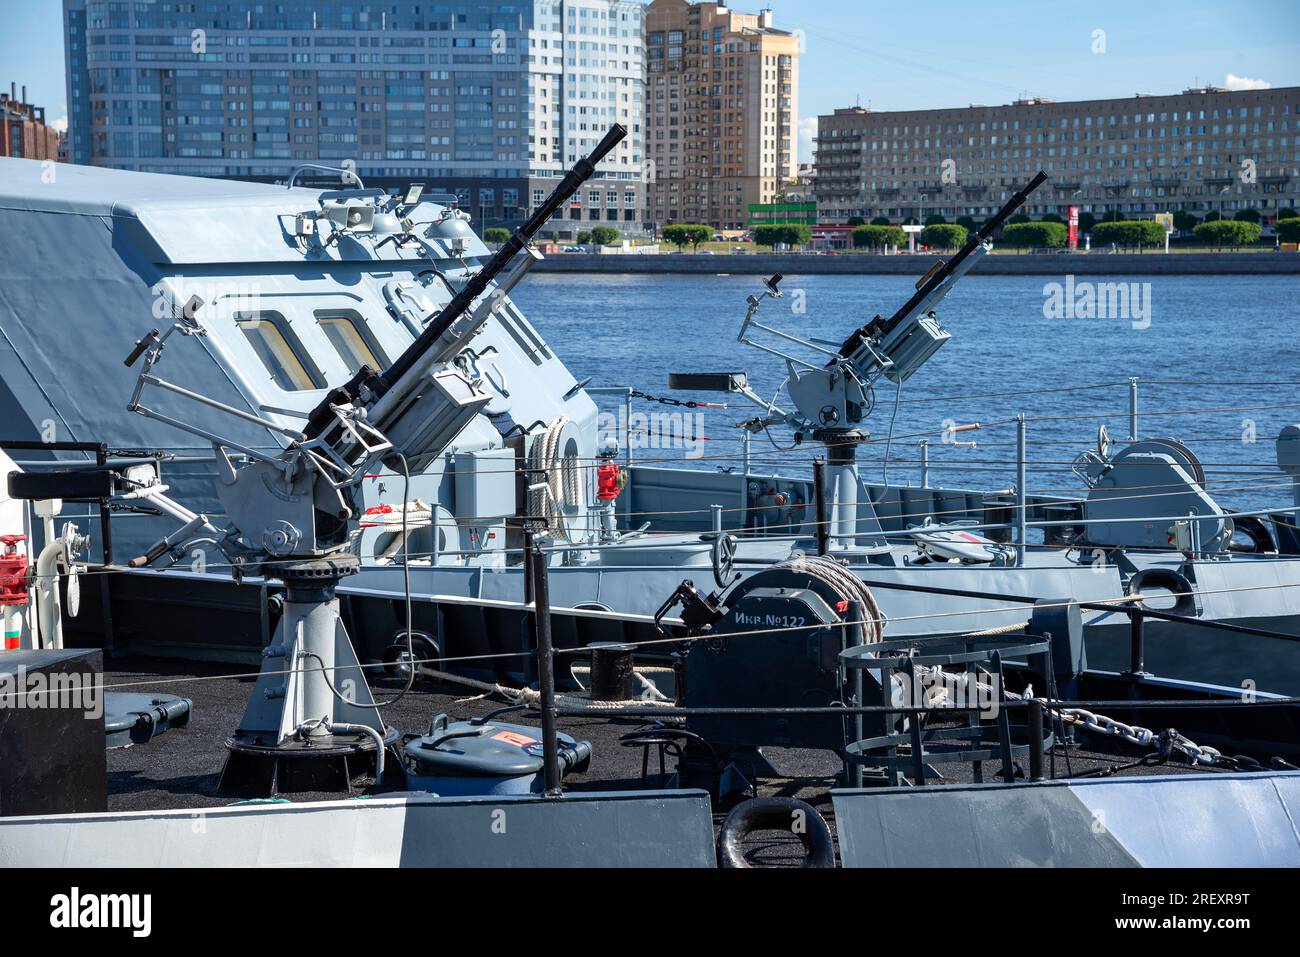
[180, 768]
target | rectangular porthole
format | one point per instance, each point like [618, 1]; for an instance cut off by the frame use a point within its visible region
[351, 339]
[280, 352]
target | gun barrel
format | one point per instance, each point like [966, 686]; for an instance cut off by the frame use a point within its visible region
[939, 274]
[321, 417]
[574, 179]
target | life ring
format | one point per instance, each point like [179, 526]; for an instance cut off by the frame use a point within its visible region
[776, 814]
[1175, 581]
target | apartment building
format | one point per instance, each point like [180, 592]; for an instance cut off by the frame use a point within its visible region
[1204, 150]
[722, 94]
[23, 131]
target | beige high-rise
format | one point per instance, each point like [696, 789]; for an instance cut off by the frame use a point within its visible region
[722, 96]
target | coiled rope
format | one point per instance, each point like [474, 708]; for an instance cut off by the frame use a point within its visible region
[561, 483]
[846, 584]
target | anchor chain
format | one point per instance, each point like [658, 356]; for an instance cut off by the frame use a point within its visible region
[1166, 743]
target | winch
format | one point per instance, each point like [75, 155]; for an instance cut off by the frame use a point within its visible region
[776, 643]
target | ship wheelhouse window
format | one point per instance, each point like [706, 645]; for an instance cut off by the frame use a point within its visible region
[280, 351]
[351, 339]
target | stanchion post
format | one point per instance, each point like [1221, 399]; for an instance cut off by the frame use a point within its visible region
[823, 532]
[545, 671]
[1035, 740]
[1137, 663]
[855, 639]
[1022, 477]
[1133, 409]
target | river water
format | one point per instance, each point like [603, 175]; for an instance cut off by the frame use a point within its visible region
[1223, 352]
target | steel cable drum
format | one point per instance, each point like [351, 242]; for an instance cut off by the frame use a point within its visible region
[558, 479]
[1170, 447]
[833, 582]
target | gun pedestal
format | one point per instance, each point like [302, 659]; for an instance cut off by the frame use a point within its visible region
[311, 723]
[842, 465]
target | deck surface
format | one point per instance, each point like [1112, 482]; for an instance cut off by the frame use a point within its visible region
[180, 769]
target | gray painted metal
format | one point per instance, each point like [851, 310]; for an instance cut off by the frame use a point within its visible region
[1222, 820]
[621, 829]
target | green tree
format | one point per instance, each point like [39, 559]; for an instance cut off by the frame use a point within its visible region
[1112, 217]
[1228, 232]
[1035, 235]
[944, 236]
[1288, 230]
[1135, 232]
[1247, 216]
[1287, 213]
[877, 237]
[881, 221]
[1086, 222]
[584, 237]
[788, 234]
[968, 222]
[604, 235]
[1184, 222]
[682, 235]
[496, 235]
[1019, 218]
[856, 221]
[1212, 217]
[934, 219]
[1051, 218]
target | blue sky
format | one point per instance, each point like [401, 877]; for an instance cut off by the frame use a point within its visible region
[893, 56]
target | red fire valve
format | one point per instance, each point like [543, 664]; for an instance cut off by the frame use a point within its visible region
[13, 571]
[610, 481]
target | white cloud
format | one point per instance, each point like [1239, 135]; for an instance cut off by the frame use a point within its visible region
[807, 133]
[61, 124]
[1234, 82]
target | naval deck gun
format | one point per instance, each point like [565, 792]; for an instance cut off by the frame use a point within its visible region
[832, 387]
[835, 394]
[291, 513]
